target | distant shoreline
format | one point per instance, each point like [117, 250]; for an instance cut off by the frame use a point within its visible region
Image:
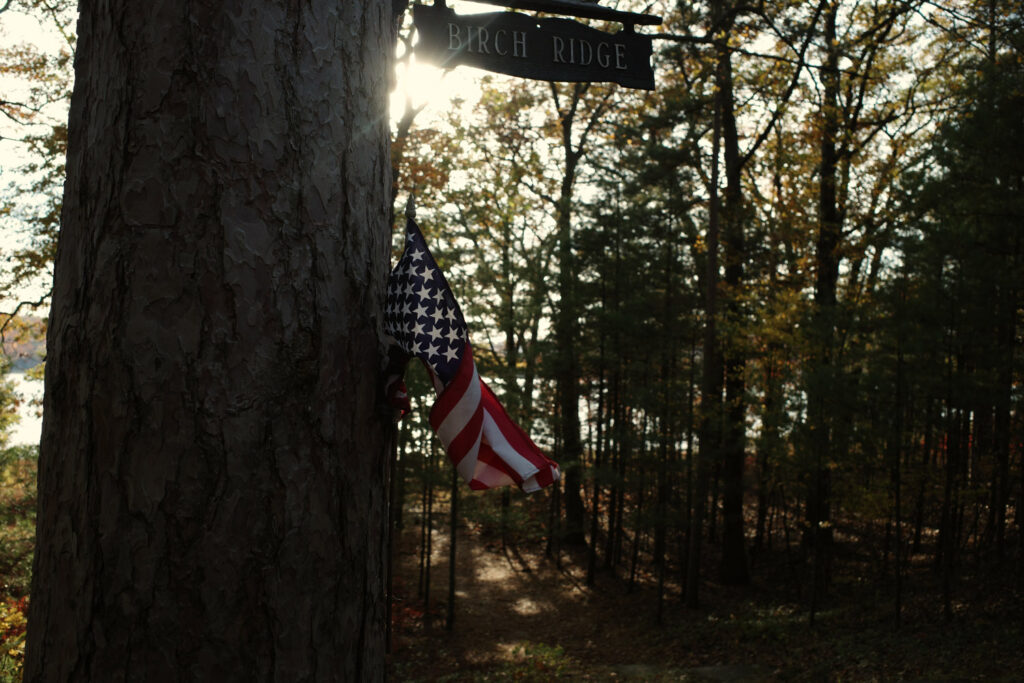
[30, 425]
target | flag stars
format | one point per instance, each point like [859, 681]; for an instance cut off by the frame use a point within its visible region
[421, 313]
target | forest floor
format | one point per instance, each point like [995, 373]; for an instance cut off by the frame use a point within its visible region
[519, 617]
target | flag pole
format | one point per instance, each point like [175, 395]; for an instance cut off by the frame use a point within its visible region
[410, 206]
[392, 468]
[410, 213]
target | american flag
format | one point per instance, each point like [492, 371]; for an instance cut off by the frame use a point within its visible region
[422, 317]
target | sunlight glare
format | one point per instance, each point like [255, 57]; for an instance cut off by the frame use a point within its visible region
[425, 85]
[432, 87]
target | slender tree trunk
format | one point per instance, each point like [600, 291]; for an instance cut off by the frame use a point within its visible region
[390, 581]
[667, 433]
[568, 370]
[687, 506]
[661, 523]
[554, 545]
[713, 506]
[428, 546]
[924, 475]
[637, 533]
[511, 356]
[1002, 437]
[598, 453]
[616, 410]
[423, 524]
[947, 543]
[767, 447]
[398, 477]
[895, 456]
[615, 441]
[619, 492]
[212, 493]
[820, 409]
[506, 503]
[566, 330]
[709, 431]
[735, 565]
[453, 528]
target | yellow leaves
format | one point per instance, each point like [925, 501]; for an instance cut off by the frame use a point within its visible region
[13, 622]
[699, 245]
[12, 618]
[17, 530]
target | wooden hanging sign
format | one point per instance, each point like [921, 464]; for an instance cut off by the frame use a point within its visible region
[548, 49]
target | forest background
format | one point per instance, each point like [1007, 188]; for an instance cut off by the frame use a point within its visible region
[767, 318]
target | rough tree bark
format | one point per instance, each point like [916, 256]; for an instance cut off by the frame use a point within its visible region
[212, 469]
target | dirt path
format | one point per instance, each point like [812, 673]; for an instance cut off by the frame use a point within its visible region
[519, 617]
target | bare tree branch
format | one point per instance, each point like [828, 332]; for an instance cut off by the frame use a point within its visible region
[789, 90]
[9, 317]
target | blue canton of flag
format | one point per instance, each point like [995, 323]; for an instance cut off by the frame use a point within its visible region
[421, 313]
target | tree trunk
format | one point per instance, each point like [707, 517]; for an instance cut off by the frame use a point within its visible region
[768, 445]
[735, 565]
[616, 411]
[566, 330]
[823, 374]
[453, 529]
[709, 429]
[212, 471]
[566, 316]
[598, 453]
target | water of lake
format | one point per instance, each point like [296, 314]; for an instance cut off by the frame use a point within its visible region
[30, 426]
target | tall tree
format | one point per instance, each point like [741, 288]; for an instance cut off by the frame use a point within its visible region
[852, 110]
[579, 109]
[211, 499]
